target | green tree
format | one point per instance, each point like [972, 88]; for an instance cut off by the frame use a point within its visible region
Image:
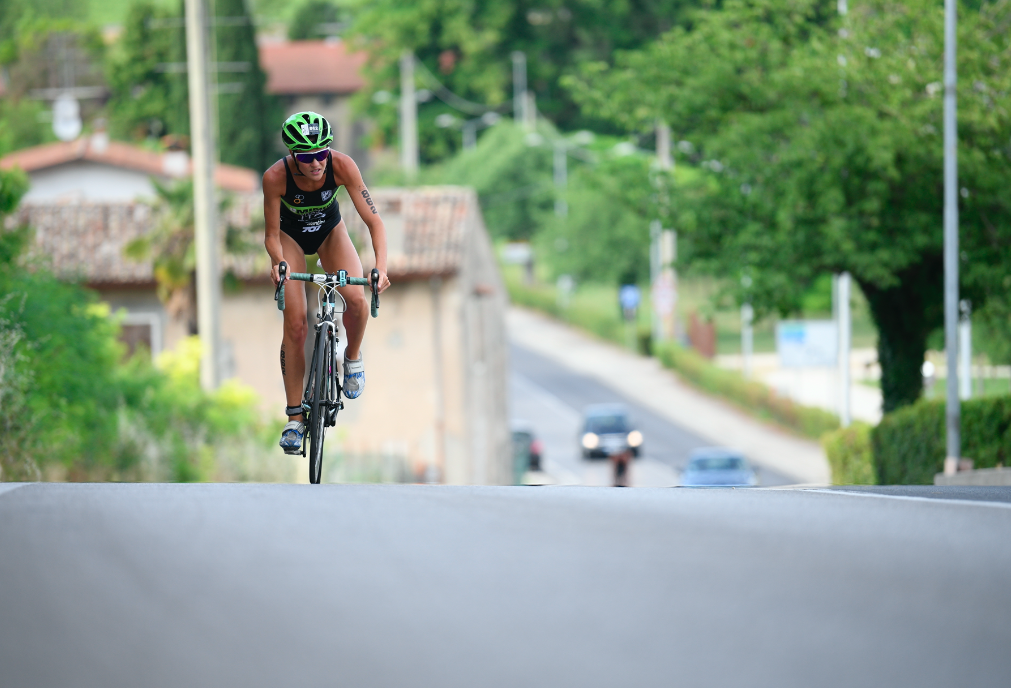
[605, 235]
[249, 119]
[315, 19]
[512, 179]
[818, 146]
[35, 50]
[150, 93]
[467, 46]
[148, 96]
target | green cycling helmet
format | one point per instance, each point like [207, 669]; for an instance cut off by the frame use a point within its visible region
[306, 131]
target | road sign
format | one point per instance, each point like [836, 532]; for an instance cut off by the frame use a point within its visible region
[807, 343]
[663, 294]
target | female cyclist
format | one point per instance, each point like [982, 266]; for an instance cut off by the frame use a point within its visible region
[302, 218]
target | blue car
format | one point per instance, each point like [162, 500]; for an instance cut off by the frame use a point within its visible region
[718, 467]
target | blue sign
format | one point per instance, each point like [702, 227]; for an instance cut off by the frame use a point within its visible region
[629, 297]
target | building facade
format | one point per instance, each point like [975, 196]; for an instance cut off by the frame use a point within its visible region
[435, 405]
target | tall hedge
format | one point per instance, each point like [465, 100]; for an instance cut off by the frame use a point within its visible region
[909, 444]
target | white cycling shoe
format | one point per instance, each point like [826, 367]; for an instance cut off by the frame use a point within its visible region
[292, 436]
[354, 377]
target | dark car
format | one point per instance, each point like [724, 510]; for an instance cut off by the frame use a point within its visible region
[718, 467]
[607, 429]
[526, 451]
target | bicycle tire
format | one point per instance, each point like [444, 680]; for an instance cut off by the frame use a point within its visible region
[318, 405]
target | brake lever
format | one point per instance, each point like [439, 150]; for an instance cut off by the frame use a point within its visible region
[374, 279]
[282, 273]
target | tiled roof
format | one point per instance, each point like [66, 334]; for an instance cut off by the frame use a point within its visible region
[85, 241]
[308, 67]
[98, 148]
[427, 226]
[433, 223]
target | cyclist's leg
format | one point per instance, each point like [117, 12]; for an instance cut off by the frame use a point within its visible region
[295, 327]
[338, 253]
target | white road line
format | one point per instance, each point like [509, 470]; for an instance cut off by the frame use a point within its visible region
[933, 500]
[9, 487]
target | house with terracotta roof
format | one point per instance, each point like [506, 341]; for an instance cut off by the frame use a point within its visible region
[437, 355]
[95, 169]
[321, 76]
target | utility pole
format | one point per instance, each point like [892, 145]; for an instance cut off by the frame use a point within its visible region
[519, 86]
[747, 338]
[205, 225]
[530, 111]
[843, 325]
[561, 174]
[663, 155]
[965, 350]
[655, 231]
[408, 117]
[953, 408]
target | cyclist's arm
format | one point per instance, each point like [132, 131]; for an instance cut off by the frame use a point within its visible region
[347, 173]
[274, 182]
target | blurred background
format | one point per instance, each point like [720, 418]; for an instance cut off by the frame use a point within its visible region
[722, 220]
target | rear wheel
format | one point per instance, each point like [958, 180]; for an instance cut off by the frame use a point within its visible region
[319, 406]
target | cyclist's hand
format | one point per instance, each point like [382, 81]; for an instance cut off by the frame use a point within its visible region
[274, 276]
[384, 280]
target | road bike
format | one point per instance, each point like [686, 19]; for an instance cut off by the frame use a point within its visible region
[322, 397]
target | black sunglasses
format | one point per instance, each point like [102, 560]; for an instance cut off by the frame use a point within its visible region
[309, 157]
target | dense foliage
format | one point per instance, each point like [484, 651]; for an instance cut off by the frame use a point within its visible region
[34, 54]
[850, 455]
[512, 179]
[909, 445]
[149, 93]
[71, 406]
[818, 142]
[249, 119]
[467, 46]
[147, 99]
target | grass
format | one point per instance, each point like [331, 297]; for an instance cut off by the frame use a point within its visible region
[992, 387]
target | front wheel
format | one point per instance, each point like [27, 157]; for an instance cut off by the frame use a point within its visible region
[319, 407]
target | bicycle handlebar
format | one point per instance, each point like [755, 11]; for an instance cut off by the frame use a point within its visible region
[342, 279]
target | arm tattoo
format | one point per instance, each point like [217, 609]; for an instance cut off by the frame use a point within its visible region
[368, 199]
[283, 373]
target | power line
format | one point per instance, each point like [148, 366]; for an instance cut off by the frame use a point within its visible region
[454, 101]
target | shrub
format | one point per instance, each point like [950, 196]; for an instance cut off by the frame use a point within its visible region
[70, 407]
[909, 444]
[751, 396]
[850, 456]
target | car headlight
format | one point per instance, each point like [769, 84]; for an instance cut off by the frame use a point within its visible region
[634, 438]
[590, 441]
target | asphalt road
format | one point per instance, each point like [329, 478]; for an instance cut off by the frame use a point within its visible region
[296, 585]
[557, 423]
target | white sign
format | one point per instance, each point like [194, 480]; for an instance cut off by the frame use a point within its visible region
[664, 294]
[807, 343]
[517, 253]
[66, 118]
